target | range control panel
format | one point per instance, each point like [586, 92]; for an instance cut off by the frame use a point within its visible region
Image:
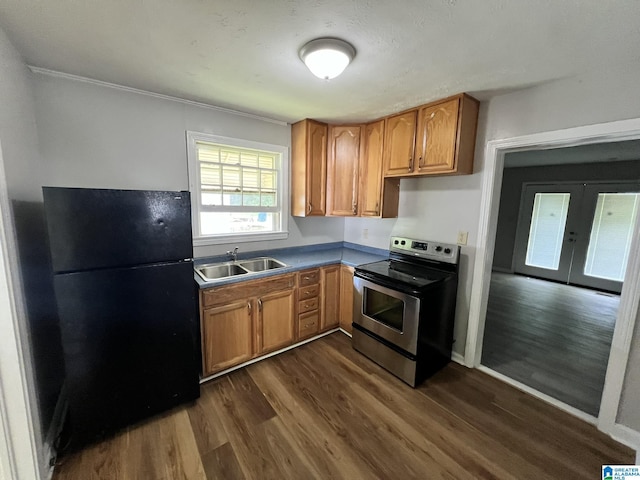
[442, 252]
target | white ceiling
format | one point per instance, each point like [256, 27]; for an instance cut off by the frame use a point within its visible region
[243, 54]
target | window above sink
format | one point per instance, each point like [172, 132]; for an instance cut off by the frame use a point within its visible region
[239, 189]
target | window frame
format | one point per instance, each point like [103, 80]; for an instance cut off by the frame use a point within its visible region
[193, 167]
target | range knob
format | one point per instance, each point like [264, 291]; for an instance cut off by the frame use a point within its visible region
[438, 248]
[402, 242]
[395, 242]
[447, 251]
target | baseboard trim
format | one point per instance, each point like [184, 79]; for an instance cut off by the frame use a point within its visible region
[628, 437]
[501, 270]
[268, 355]
[345, 332]
[544, 397]
[456, 357]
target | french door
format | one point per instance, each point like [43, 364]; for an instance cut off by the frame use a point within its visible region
[577, 233]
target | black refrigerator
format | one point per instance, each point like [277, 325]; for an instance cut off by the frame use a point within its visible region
[126, 298]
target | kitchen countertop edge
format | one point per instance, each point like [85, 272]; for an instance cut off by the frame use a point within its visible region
[296, 259]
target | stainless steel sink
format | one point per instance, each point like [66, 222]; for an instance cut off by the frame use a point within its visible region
[261, 264]
[217, 271]
[220, 270]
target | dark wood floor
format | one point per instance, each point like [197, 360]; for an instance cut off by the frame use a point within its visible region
[325, 411]
[552, 337]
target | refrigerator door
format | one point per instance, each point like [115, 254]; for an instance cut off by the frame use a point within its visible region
[130, 344]
[96, 228]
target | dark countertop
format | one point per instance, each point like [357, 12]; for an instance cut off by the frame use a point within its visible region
[297, 258]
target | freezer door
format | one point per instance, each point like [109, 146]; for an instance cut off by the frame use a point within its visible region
[97, 228]
[130, 345]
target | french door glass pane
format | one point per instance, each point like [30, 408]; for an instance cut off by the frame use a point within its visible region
[547, 230]
[611, 234]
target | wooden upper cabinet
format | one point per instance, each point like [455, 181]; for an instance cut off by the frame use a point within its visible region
[343, 162]
[370, 185]
[436, 139]
[399, 143]
[308, 168]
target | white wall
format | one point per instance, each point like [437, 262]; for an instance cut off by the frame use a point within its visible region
[19, 167]
[436, 208]
[96, 136]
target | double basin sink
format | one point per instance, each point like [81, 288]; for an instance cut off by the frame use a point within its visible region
[217, 271]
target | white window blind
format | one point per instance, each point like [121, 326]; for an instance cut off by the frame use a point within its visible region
[611, 233]
[547, 230]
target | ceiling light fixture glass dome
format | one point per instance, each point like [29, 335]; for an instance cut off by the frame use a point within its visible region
[327, 57]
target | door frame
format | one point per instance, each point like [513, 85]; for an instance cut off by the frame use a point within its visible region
[20, 452]
[494, 154]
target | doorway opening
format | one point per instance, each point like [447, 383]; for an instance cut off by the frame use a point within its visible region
[565, 226]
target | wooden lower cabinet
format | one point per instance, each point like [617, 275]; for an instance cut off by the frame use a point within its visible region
[276, 313]
[330, 297]
[346, 297]
[309, 287]
[227, 336]
[246, 319]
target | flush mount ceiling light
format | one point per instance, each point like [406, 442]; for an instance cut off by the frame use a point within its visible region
[327, 57]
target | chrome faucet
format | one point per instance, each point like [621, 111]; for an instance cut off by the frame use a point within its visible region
[233, 254]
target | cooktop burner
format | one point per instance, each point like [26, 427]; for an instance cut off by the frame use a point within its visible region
[412, 274]
[413, 264]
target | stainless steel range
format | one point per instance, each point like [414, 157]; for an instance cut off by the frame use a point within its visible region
[404, 308]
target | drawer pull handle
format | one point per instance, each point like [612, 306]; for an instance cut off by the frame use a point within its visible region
[249, 307]
[259, 304]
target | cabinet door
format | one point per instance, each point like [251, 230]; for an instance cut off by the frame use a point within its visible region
[346, 297]
[276, 320]
[308, 168]
[436, 138]
[370, 188]
[330, 297]
[342, 170]
[399, 143]
[227, 334]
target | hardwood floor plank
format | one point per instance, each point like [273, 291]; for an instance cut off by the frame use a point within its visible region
[325, 411]
[324, 447]
[221, 464]
[205, 422]
[552, 337]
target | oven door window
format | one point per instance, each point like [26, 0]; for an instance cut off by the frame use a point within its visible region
[383, 308]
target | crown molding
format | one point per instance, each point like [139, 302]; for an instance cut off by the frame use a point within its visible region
[78, 78]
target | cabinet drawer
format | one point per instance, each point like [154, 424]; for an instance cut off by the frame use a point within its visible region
[308, 292]
[309, 277]
[308, 324]
[308, 305]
